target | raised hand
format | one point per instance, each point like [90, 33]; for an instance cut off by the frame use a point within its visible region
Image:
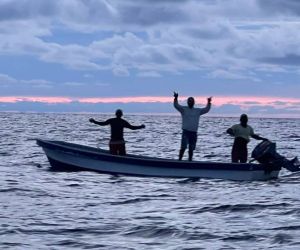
[209, 99]
[175, 95]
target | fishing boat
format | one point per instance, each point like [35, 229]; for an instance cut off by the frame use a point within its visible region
[70, 156]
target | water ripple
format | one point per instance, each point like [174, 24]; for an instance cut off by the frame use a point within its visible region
[239, 208]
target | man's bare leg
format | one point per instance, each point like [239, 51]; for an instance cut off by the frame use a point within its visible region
[181, 152]
[191, 155]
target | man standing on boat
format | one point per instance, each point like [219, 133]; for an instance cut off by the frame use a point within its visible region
[242, 133]
[117, 125]
[190, 121]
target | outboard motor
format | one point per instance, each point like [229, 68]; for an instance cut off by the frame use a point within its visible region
[265, 153]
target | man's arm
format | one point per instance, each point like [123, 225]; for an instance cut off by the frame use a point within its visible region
[230, 131]
[107, 122]
[208, 106]
[132, 127]
[257, 137]
[176, 104]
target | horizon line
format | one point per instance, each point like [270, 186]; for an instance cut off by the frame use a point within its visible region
[214, 115]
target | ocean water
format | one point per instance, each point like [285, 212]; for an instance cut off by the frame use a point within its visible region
[42, 209]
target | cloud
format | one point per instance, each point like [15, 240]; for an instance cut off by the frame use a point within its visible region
[5, 79]
[43, 87]
[217, 100]
[224, 74]
[149, 74]
[222, 106]
[228, 39]
[26, 9]
[120, 70]
[211, 30]
[280, 6]
[35, 82]
[74, 84]
[288, 59]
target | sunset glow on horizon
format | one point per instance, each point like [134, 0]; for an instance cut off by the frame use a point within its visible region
[201, 100]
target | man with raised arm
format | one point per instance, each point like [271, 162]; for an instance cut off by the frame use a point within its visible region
[190, 121]
[117, 125]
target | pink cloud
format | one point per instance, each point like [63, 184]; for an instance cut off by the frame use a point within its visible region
[244, 101]
[139, 99]
[14, 99]
[254, 100]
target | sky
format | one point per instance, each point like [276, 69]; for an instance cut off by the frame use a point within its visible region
[99, 55]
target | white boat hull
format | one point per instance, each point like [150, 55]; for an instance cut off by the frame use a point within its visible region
[86, 158]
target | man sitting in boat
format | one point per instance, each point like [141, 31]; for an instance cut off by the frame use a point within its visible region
[190, 121]
[117, 125]
[241, 133]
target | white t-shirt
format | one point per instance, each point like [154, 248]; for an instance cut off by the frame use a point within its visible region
[191, 116]
[244, 132]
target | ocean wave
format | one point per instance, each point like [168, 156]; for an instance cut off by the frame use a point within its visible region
[239, 208]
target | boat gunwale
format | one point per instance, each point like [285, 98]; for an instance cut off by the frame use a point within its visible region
[104, 155]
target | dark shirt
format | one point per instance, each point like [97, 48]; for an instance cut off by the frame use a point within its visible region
[117, 126]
